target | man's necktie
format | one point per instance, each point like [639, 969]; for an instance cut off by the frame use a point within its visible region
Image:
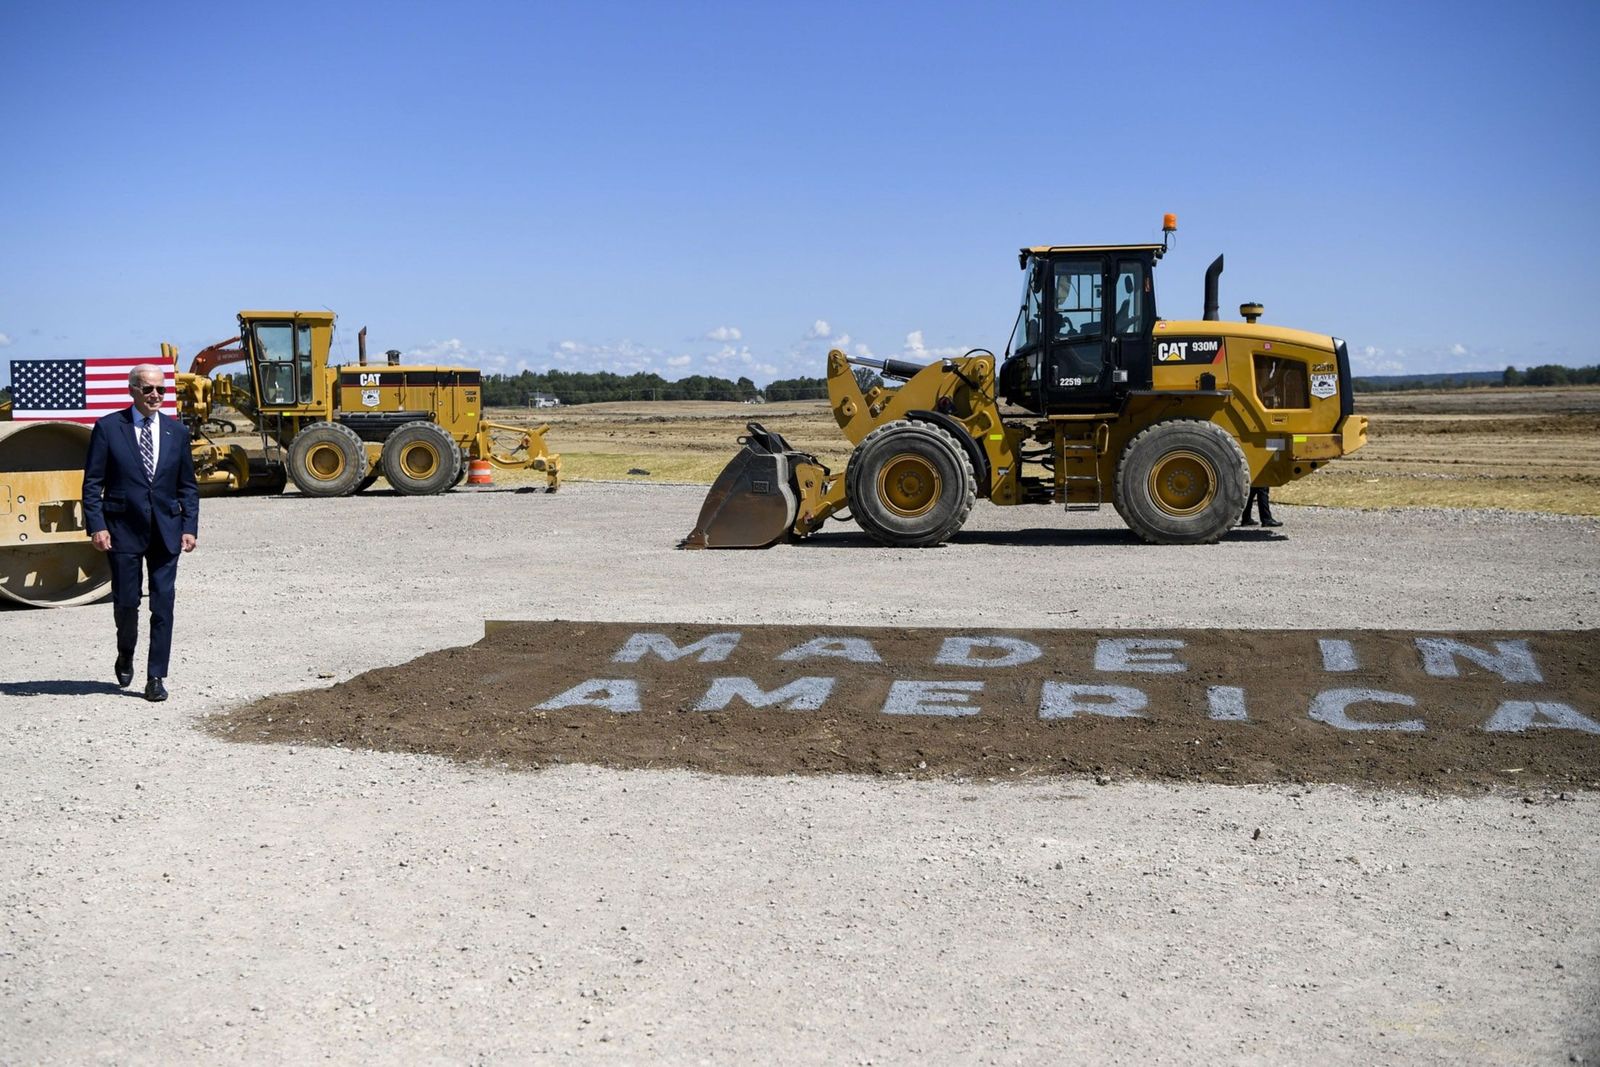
[147, 450]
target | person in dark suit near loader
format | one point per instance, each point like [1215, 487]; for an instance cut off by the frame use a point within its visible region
[142, 507]
[1258, 497]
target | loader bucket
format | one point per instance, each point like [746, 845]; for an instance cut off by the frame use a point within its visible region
[752, 504]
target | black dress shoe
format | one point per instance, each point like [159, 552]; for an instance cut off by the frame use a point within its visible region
[124, 669]
[1272, 522]
[1247, 522]
[154, 690]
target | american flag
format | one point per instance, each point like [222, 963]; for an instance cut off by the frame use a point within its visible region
[80, 390]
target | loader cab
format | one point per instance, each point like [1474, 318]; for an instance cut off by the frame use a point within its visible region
[1082, 335]
[285, 350]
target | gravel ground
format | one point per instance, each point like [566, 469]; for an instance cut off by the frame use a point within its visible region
[170, 897]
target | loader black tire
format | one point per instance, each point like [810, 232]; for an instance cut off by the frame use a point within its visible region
[910, 485]
[326, 459]
[1182, 482]
[421, 458]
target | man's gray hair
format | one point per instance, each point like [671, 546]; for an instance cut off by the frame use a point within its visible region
[138, 372]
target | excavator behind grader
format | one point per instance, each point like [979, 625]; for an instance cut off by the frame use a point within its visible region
[1097, 397]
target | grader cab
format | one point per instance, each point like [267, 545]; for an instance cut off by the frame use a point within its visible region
[1172, 421]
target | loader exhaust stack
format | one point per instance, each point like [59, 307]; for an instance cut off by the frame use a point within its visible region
[1213, 273]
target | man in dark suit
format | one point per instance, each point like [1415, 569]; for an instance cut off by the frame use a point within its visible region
[142, 507]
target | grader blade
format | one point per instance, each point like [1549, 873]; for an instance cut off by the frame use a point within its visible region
[753, 503]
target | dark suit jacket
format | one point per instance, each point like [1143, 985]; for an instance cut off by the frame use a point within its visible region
[117, 496]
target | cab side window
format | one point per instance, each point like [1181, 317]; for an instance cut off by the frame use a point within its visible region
[302, 350]
[1132, 288]
[276, 363]
[1281, 383]
[1077, 297]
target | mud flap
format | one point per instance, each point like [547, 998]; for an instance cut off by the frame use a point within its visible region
[753, 503]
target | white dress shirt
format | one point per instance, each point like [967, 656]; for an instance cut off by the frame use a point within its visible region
[155, 434]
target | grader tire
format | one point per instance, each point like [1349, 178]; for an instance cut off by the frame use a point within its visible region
[910, 485]
[461, 471]
[327, 459]
[1182, 482]
[421, 458]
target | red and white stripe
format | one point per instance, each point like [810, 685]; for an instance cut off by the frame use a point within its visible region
[105, 389]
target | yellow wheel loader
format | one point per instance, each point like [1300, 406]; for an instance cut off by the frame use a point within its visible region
[1097, 397]
[335, 429]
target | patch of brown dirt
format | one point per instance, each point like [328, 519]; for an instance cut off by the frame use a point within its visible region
[1381, 708]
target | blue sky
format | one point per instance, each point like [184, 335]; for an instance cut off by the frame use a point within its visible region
[731, 188]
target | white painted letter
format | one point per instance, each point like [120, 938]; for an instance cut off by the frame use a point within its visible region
[1515, 716]
[854, 649]
[958, 652]
[612, 694]
[1062, 701]
[1225, 702]
[931, 698]
[802, 694]
[1337, 655]
[713, 648]
[1330, 705]
[1146, 654]
[1514, 662]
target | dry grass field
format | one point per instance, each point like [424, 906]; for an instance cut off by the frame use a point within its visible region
[1518, 449]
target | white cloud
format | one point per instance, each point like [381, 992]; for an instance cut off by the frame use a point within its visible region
[820, 328]
[5, 339]
[741, 356]
[454, 353]
[623, 357]
[438, 350]
[916, 349]
[725, 333]
[1374, 360]
[865, 351]
[1458, 349]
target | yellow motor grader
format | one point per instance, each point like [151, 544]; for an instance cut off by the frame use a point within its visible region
[334, 429]
[1096, 397]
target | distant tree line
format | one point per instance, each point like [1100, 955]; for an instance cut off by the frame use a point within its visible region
[1545, 374]
[1551, 374]
[596, 387]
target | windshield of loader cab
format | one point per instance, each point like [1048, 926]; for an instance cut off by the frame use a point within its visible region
[1026, 332]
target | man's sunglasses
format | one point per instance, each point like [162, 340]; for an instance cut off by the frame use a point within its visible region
[159, 390]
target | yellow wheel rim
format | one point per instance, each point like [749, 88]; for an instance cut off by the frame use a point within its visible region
[419, 460]
[325, 462]
[1183, 483]
[909, 485]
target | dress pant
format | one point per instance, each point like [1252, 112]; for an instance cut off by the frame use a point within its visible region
[125, 589]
